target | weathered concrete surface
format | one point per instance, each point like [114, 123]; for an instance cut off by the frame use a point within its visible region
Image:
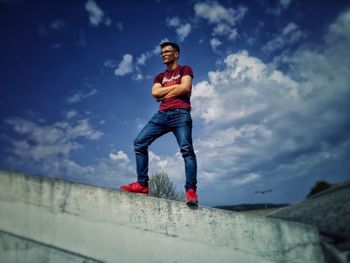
[18, 250]
[114, 226]
[329, 211]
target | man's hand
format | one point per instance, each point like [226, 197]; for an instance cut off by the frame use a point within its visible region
[184, 88]
[159, 92]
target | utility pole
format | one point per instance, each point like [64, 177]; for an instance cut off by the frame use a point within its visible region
[263, 193]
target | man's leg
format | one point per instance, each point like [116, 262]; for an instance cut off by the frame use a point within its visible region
[183, 134]
[155, 128]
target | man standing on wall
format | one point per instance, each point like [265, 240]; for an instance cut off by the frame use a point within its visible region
[173, 89]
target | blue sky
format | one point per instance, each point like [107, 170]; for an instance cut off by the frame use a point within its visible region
[270, 92]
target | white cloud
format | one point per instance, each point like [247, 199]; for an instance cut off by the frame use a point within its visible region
[223, 19]
[47, 149]
[182, 29]
[290, 34]
[285, 3]
[289, 28]
[173, 22]
[138, 77]
[125, 66]
[225, 30]
[119, 156]
[173, 165]
[110, 63]
[245, 76]
[58, 25]
[215, 13]
[281, 6]
[255, 123]
[43, 141]
[141, 60]
[71, 114]
[96, 14]
[340, 28]
[215, 43]
[261, 125]
[80, 95]
[245, 179]
[84, 129]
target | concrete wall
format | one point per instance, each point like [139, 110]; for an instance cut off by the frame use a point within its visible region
[15, 249]
[329, 211]
[113, 226]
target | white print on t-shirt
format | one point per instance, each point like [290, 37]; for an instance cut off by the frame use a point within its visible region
[166, 80]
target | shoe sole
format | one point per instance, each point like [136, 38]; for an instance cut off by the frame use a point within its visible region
[140, 193]
[192, 205]
[134, 192]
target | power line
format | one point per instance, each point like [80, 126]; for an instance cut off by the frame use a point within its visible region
[263, 193]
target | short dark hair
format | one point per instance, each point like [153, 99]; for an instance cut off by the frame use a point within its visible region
[173, 45]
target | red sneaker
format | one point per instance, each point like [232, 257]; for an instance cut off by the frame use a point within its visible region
[191, 198]
[135, 188]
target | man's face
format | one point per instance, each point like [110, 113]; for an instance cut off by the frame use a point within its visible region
[169, 55]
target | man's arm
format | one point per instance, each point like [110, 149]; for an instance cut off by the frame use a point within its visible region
[159, 92]
[184, 88]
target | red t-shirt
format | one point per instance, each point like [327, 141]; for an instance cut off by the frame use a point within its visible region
[168, 78]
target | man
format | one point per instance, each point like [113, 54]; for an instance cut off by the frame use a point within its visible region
[173, 89]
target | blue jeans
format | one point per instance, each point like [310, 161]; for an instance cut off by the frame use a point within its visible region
[179, 122]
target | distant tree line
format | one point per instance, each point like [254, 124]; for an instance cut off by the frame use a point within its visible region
[319, 187]
[161, 186]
